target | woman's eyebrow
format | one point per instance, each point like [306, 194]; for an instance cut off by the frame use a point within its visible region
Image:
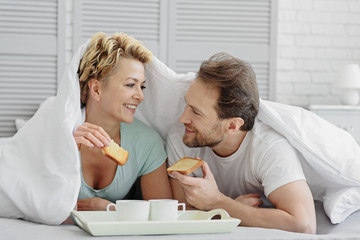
[135, 79]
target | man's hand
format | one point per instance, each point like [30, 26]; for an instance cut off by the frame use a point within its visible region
[202, 193]
[92, 204]
[252, 199]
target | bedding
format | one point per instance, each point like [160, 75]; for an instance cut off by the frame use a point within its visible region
[330, 156]
[17, 229]
[40, 164]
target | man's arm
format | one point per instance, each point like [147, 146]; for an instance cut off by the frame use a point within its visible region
[252, 199]
[178, 193]
[294, 206]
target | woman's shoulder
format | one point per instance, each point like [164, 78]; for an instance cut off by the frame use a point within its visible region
[138, 128]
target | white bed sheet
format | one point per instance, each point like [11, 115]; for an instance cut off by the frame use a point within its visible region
[16, 229]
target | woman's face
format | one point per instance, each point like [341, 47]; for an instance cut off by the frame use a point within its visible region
[123, 91]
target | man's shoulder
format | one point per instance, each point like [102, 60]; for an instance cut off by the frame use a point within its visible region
[263, 133]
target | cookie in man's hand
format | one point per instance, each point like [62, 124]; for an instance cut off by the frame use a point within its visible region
[186, 165]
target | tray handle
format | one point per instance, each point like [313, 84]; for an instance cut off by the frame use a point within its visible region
[210, 214]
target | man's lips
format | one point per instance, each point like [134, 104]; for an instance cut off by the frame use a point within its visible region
[187, 131]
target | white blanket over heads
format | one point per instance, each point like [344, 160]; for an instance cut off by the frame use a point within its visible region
[40, 171]
[164, 96]
[330, 156]
[39, 166]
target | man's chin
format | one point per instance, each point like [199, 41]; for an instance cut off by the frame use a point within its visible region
[188, 142]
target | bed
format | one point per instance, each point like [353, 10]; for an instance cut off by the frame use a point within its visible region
[350, 229]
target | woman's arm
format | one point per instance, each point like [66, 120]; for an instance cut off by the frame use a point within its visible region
[92, 204]
[155, 185]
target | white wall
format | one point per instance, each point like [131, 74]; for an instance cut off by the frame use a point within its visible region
[315, 38]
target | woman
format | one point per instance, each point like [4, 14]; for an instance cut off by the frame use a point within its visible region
[112, 81]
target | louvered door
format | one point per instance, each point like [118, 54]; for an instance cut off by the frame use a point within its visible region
[140, 19]
[244, 28]
[29, 57]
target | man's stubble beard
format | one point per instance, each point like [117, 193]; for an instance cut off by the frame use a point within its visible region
[209, 139]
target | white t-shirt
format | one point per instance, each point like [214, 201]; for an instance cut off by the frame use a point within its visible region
[264, 161]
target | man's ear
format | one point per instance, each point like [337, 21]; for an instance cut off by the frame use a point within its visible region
[95, 89]
[234, 125]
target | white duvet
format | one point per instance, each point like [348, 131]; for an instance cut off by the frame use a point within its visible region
[39, 166]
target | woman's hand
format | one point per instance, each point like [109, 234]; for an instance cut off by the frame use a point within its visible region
[92, 204]
[91, 135]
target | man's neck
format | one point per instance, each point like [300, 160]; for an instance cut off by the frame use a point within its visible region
[230, 144]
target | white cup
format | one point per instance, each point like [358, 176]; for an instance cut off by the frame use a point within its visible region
[165, 209]
[131, 210]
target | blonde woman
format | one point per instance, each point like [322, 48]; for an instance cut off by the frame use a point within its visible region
[112, 82]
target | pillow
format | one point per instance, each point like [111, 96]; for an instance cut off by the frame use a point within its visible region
[339, 204]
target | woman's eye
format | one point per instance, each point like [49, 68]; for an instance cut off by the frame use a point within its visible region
[130, 85]
[143, 87]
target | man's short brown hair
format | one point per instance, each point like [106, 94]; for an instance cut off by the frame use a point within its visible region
[236, 81]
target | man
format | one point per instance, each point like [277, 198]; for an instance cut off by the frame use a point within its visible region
[244, 158]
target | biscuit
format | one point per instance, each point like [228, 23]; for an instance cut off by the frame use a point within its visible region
[115, 153]
[185, 165]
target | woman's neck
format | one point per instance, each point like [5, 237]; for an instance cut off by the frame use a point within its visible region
[97, 117]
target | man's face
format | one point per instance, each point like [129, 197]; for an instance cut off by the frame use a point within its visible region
[202, 125]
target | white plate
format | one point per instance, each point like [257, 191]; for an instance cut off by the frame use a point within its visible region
[103, 223]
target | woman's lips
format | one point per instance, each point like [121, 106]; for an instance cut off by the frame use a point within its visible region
[130, 107]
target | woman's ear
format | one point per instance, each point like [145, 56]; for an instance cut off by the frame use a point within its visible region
[94, 89]
[234, 125]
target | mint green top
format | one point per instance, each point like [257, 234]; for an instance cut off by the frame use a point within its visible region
[146, 154]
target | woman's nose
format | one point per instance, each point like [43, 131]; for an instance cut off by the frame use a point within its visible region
[139, 94]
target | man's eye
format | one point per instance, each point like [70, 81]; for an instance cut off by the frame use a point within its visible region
[196, 113]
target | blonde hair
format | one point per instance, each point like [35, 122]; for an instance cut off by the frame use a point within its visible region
[102, 57]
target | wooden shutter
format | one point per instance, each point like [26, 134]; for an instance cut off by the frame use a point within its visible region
[29, 59]
[140, 19]
[244, 28]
